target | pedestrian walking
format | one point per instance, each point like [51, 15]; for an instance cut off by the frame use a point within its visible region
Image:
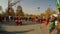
[40, 19]
[58, 24]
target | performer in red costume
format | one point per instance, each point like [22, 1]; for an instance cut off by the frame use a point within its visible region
[34, 19]
[18, 20]
[47, 20]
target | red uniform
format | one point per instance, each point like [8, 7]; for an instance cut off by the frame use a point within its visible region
[46, 21]
[34, 19]
[18, 21]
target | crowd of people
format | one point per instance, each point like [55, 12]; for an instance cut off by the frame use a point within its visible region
[17, 18]
[53, 22]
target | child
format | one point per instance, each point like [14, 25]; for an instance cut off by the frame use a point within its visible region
[50, 26]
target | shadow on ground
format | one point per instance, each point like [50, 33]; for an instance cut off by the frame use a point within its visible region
[16, 32]
[14, 24]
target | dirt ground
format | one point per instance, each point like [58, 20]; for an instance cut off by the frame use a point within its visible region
[30, 29]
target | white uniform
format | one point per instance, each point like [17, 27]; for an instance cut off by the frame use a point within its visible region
[56, 22]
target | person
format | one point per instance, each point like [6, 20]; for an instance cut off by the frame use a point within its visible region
[11, 18]
[18, 20]
[7, 18]
[3, 18]
[30, 18]
[26, 19]
[58, 24]
[34, 19]
[40, 19]
[53, 20]
[0, 18]
[46, 20]
[50, 26]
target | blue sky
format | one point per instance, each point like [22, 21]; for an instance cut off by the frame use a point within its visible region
[30, 6]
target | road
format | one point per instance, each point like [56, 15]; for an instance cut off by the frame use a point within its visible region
[27, 29]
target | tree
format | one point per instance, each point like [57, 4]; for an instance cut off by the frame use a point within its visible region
[1, 10]
[10, 12]
[3, 13]
[48, 12]
[42, 14]
[19, 11]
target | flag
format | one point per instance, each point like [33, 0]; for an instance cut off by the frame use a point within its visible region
[58, 5]
[58, 1]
